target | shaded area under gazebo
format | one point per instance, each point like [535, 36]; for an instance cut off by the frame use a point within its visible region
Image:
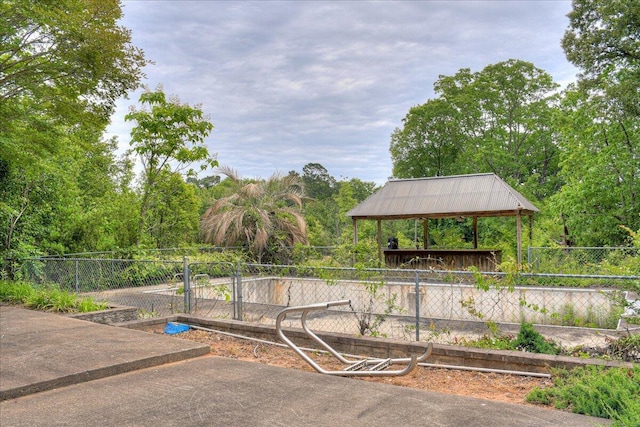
[462, 196]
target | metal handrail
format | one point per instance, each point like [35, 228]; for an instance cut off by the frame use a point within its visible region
[370, 367]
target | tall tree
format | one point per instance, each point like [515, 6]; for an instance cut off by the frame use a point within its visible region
[264, 217]
[174, 212]
[351, 193]
[103, 218]
[496, 120]
[320, 210]
[504, 112]
[429, 142]
[168, 137]
[63, 62]
[601, 167]
[603, 40]
[598, 123]
[318, 183]
[63, 65]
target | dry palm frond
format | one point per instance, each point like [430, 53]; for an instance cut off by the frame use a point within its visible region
[257, 213]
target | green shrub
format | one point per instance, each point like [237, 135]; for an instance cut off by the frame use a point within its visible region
[489, 342]
[87, 305]
[46, 298]
[595, 391]
[51, 299]
[15, 292]
[530, 340]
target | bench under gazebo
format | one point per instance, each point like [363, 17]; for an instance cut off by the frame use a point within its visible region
[461, 196]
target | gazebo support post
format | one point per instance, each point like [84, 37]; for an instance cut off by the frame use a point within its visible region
[519, 237]
[475, 232]
[425, 232]
[380, 241]
[355, 232]
[355, 240]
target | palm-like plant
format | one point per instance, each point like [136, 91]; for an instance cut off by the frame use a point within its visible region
[264, 216]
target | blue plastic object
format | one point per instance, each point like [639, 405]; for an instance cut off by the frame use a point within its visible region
[175, 328]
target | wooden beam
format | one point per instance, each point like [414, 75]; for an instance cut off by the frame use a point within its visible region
[475, 232]
[519, 237]
[355, 231]
[379, 241]
[425, 232]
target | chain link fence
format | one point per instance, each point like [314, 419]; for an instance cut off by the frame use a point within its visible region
[428, 305]
[585, 260]
[442, 306]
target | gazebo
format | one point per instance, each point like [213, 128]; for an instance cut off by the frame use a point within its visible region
[461, 196]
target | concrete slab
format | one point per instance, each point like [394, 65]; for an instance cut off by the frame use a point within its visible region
[40, 351]
[97, 375]
[215, 391]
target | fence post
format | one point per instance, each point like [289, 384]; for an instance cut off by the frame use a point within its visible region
[77, 277]
[186, 285]
[239, 292]
[234, 292]
[417, 305]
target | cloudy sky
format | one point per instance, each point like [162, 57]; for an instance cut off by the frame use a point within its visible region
[291, 83]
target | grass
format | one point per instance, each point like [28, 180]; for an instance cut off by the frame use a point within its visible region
[596, 391]
[47, 298]
[528, 339]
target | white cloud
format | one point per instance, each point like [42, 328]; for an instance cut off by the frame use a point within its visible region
[290, 83]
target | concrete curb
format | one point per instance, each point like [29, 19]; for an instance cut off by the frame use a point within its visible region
[108, 371]
[378, 347]
[40, 351]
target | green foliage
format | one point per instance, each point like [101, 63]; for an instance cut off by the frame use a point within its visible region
[319, 185]
[498, 284]
[168, 138]
[446, 234]
[495, 120]
[327, 221]
[87, 305]
[493, 340]
[488, 342]
[602, 40]
[596, 391]
[172, 214]
[368, 322]
[598, 123]
[596, 317]
[362, 255]
[429, 143]
[598, 158]
[144, 273]
[46, 298]
[63, 189]
[63, 64]
[15, 292]
[51, 299]
[263, 217]
[576, 157]
[530, 340]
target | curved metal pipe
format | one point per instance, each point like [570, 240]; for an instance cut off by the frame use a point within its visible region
[368, 367]
[426, 365]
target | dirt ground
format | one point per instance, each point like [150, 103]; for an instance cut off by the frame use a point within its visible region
[491, 386]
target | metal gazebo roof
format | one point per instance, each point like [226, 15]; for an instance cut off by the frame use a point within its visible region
[444, 197]
[477, 195]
